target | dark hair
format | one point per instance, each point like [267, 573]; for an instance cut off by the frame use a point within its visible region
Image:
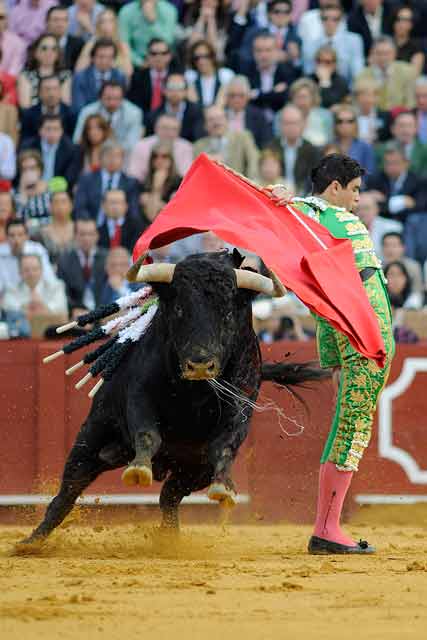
[103, 43]
[32, 64]
[397, 10]
[51, 76]
[208, 46]
[397, 300]
[335, 166]
[156, 41]
[15, 222]
[50, 118]
[172, 173]
[111, 83]
[57, 7]
[103, 124]
[392, 234]
[272, 4]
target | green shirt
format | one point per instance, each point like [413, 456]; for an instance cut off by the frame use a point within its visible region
[137, 31]
[341, 224]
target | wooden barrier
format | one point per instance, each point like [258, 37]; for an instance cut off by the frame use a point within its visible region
[40, 413]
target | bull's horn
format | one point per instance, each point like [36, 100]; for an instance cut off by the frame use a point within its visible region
[256, 282]
[160, 272]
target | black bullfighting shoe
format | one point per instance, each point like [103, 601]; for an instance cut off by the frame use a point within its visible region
[320, 546]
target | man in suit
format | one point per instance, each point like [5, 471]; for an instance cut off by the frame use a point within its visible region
[82, 268]
[87, 83]
[49, 105]
[147, 84]
[421, 108]
[120, 228]
[57, 25]
[269, 79]
[236, 148]
[125, 118]
[369, 19]
[60, 156]
[176, 104]
[241, 115]
[404, 132]
[348, 46]
[397, 190]
[299, 157]
[373, 123]
[92, 186]
[395, 79]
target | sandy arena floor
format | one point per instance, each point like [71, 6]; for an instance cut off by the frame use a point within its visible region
[214, 583]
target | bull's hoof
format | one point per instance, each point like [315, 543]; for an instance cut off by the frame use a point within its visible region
[219, 493]
[28, 546]
[133, 475]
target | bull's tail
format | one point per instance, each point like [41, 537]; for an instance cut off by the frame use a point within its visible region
[287, 374]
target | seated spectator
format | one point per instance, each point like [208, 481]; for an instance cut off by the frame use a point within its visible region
[208, 20]
[369, 18]
[161, 183]
[279, 16]
[399, 287]
[241, 115]
[111, 175]
[33, 295]
[32, 195]
[7, 158]
[82, 15]
[125, 118]
[348, 46]
[373, 124]
[397, 190]
[49, 104]
[60, 156]
[394, 250]
[107, 28]
[206, 79]
[58, 235]
[140, 22]
[346, 138]
[311, 25]
[270, 168]
[87, 83]
[116, 267]
[13, 48]
[332, 86]
[148, 82]
[368, 211]
[18, 244]
[44, 59]
[395, 79]
[166, 130]
[7, 212]
[409, 48]
[236, 148]
[404, 132]
[28, 18]
[176, 104]
[57, 24]
[269, 79]
[82, 269]
[305, 95]
[8, 118]
[421, 108]
[120, 228]
[298, 155]
[96, 131]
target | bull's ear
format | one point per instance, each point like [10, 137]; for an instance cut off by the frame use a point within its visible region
[237, 258]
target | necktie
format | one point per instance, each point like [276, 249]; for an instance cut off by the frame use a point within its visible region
[116, 240]
[279, 40]
[109, 184]
[422, 127]
[86, 269]
[156, 94]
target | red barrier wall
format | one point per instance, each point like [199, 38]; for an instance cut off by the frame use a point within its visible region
[40, 412]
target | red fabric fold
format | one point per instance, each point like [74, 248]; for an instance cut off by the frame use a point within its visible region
[319, 268]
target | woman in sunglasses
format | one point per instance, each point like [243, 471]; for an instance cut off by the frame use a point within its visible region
[332, 86]
[206, 80]
[44, 59]
[161, 183]
[409, 49]
[346, 138]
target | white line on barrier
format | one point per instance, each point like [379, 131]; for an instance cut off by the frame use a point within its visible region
[109, 499]
[390, 499]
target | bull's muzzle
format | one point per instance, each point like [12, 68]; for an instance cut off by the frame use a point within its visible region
[200, 370]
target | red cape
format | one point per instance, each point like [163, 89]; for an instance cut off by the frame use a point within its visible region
[211, 198]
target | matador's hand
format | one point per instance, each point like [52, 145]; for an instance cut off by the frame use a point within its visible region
[279, 193]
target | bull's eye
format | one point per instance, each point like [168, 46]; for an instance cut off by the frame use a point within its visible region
[178, 311]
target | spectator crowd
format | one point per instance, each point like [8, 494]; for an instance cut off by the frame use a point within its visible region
[103, 108]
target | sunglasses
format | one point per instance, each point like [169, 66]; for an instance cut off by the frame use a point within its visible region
[283, 12]
[201, 56]
[325, 61]
[346, 121]
[176, 86]
[330, 19]
[162, 155]
[47, 47]
[158, 53]
[236, 94]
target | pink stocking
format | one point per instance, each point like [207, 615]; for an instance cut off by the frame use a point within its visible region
[333, 487]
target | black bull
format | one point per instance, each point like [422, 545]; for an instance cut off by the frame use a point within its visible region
[162, 413]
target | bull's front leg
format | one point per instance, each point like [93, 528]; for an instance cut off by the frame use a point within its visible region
[222, 452]
[143, 425]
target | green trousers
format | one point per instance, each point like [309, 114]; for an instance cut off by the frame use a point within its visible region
[361, 382]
